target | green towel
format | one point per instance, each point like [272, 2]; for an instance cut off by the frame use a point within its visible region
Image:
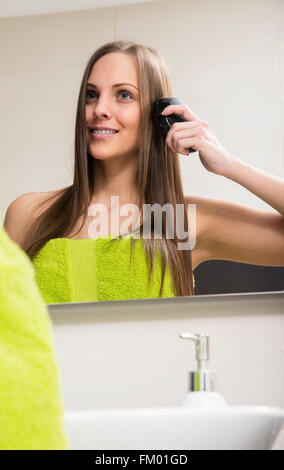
[31, 408]
[97, 269]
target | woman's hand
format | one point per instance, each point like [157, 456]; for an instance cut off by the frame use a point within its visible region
[198, 135]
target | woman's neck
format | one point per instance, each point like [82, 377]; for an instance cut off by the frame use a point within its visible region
[115, 179]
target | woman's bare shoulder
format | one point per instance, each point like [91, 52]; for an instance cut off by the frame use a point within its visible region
[201, 226]
[25, 204]
[202, 207]
[237, 232]
[23, 211]
[208, 213]
[202, 200]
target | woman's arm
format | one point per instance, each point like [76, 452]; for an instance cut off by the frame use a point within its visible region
[20, 214]
[241, 233]
[232, 231]
[236, 232]
[17, 218]
[267, 187]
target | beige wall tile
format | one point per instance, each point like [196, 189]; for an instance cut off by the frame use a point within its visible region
[53, 40]
[196, 24]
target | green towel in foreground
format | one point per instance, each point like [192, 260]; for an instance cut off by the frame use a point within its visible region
[31, 408]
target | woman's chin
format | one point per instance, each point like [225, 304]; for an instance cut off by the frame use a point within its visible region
[104, 156]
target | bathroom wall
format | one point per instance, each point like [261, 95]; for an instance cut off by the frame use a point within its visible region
[128, 354]
[225, 59]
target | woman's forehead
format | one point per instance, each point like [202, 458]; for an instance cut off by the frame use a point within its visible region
[115, 67]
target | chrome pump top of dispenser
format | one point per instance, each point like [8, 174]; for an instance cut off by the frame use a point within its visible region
[202, 379]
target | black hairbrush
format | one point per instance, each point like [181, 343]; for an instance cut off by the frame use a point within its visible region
[165, 122]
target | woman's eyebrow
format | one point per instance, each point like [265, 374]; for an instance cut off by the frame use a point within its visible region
[113, 86]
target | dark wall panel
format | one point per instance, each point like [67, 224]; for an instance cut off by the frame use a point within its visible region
[224, 277]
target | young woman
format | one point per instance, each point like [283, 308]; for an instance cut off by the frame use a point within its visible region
[119, 152]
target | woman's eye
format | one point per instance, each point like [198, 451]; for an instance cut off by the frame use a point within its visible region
[124, 92]
[89, 95]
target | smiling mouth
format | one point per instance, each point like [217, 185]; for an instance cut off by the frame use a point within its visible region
[102, 132]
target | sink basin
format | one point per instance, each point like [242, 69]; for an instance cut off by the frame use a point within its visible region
[175, 428]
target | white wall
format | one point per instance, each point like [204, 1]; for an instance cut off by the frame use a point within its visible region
[128, 354]
[225, 58]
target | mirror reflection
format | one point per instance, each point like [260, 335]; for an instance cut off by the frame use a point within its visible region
[129, 224]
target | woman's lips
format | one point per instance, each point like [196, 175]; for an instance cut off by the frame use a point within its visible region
[100, 136]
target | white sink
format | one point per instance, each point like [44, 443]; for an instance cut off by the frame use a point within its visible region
[233, 427]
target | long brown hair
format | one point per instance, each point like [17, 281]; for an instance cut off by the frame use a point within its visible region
[158, 174]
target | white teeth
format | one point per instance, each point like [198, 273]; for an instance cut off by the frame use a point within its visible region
[104, 131]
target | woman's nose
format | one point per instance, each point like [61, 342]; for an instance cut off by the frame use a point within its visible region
[102, 107]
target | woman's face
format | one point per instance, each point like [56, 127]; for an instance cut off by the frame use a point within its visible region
[112, 102]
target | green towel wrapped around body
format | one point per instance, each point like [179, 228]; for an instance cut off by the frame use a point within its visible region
[31, 408]
[97, 269]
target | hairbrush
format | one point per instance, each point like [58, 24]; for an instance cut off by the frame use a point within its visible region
[165, 122]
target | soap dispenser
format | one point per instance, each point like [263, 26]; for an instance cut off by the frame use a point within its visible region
[201, 392]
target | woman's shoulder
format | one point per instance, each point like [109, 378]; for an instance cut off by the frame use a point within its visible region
[23, 211]
[202, 201]
[206, 214]
[213, 212]
[208, 207]
[201, 206]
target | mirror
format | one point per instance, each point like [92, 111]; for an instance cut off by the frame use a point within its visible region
[223, 60]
